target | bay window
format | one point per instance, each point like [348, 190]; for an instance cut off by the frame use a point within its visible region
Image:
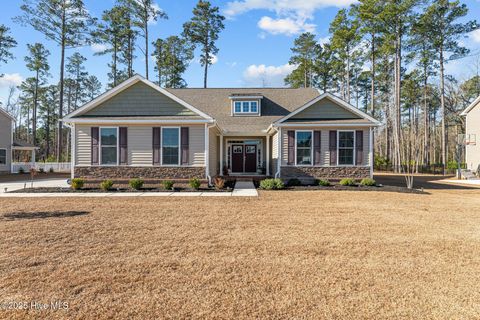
[346, 147]
[304, 147]
[109, 146]
[171, 146]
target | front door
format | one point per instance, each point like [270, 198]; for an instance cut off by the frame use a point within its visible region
[237, 158]
[250, 159]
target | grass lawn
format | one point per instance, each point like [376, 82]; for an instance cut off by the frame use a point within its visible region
[320, 254]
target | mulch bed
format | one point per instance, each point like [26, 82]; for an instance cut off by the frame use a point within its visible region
[115, 190]
[338, 187]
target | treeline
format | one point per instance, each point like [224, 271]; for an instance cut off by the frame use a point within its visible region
[388, 58]
[122, 33]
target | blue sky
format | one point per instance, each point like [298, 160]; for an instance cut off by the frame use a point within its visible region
[254, 47]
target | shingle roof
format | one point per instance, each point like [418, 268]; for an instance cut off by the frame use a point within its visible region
[276, 103]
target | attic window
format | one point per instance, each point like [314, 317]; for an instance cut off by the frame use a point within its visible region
[246, 107]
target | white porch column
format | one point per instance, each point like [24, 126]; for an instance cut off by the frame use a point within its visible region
[221, 155]
[268, 155]
[370, 154]
[33, 158]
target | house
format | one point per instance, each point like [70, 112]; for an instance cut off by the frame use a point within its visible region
[472, 150]
[139, 130]
[8, 145]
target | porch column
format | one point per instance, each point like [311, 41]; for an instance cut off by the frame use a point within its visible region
[33, 158]
[268, 155]
[221, 155]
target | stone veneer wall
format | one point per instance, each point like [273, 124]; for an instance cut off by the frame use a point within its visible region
[325, 172]
[127, 172]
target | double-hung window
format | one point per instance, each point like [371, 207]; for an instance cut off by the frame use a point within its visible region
[109, 146]
[304, 147]
[171, 146]
[3, 156]
[346, 147]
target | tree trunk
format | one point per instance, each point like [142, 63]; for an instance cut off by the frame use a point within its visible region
[372, 84]
[146, 49]
[348, 76]
[60, 111]
[442, 109]
[426, 147]
[34, 115]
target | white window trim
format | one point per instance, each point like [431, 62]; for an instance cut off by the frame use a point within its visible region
[311, 149]
[100, 146]
[354, 148]
[249, 113]
[6, 157]
[179, 147]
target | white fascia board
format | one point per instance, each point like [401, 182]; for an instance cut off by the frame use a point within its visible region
[125, 121]
[470, 107]
[124, 85]
[335, 99]
[324, 125]
[245, 97]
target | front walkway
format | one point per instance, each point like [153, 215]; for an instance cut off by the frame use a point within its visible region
[242, 189]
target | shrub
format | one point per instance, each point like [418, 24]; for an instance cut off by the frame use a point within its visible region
[195, 183]
[294, 182]
[348, 182]
[77, 183]
[106, 185]
[272, 184]
[219, 183]
[324, 183]
[21, 170]
[41, 170]
[136, 184]
[368, 182]
[51, 170]
[168, 184]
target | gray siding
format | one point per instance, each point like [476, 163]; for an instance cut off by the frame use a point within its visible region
[473, 127]
[325, 138]
[6, 140]
[139, 100]
[140, 151]
[324, 109]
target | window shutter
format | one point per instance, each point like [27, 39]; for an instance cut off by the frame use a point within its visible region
[123, 146]
[359, 147]
[94, 131]
[185, 145]
[156, 138]
[291, 147]
[317, 141]
[333, 148]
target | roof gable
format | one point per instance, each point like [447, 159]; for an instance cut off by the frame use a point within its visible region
[6, 114]
[474, 104]
[137, 97]
[327, 107]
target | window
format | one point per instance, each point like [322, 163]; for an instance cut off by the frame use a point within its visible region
[171, 146]
[304, 147]
[346, 147]
[108, 146]
[238, 107]
[3, 156]
[245, 107]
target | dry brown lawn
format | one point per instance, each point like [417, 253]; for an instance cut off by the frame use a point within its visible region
[316, 255]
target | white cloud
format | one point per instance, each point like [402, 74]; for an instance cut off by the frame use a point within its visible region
[270, 76]
[98, 47]
[232, 64]
[12, 79]
[300, 8]
[286, 26]
[157, 8]
[214, 59]
[475, 36]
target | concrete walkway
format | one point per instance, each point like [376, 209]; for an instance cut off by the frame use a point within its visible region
[43, 183]
[473, 182]
[242, 189]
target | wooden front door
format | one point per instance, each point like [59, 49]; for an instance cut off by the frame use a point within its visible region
[250, 158]
[237, 158]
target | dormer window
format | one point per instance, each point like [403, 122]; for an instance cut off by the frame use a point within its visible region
[246, 105]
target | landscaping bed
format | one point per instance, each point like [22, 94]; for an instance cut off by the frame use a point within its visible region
[125, 188]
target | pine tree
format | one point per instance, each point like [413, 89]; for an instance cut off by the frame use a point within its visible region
[67, 23]
[93, 86]
[76, 73]
[305, 52]
[37, 62]
[7, 42]
[203, 30]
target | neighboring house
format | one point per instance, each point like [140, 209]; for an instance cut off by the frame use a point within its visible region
[8, 145]
[472, 130]
[138, 129]
[6, 141]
